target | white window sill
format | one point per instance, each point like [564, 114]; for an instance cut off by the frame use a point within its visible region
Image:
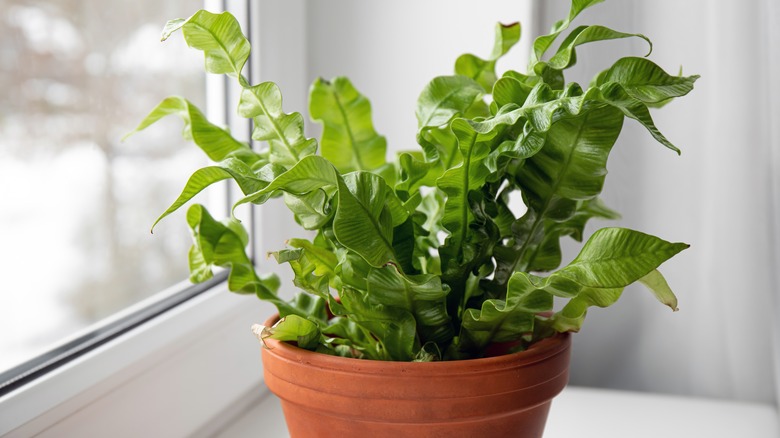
[181, 374]
[592, 413]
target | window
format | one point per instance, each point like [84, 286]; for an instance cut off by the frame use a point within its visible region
[77, 202]
[149, 371]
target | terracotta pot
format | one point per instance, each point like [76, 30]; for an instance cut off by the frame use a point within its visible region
[503, 396]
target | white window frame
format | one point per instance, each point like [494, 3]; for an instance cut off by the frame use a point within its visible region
[194, 368]
[171, 376]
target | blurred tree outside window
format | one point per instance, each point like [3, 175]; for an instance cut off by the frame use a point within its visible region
[76, 203]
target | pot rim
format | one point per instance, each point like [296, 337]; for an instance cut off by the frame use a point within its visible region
[537, 352]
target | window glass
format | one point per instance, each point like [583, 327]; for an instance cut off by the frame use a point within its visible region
[76, 203]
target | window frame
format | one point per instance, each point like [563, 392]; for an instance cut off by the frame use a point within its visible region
[162, 354]
[151, 369]
[102, 332]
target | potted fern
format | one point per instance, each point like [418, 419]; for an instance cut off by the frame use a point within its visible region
[398, 331]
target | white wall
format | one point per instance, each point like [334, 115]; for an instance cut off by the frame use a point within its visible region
[391, 49]
[718, 195]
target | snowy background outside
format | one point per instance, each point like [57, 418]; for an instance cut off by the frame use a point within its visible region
[76, 203]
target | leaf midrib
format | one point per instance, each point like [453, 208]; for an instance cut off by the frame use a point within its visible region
[437, 107]
[388, 245]
[270, 188]
[219, 43]
[496, 326]
[585, 263]
[540, 218]
[324, 181]
[323, 261]
[275, 126]
[466, 168]
[355, 152]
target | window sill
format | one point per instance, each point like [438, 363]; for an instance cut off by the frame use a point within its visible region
[173, 376]
[592, 413]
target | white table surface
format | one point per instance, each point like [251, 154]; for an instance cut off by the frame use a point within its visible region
[591, 413]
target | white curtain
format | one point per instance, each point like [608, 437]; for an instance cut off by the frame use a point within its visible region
[722, 196]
